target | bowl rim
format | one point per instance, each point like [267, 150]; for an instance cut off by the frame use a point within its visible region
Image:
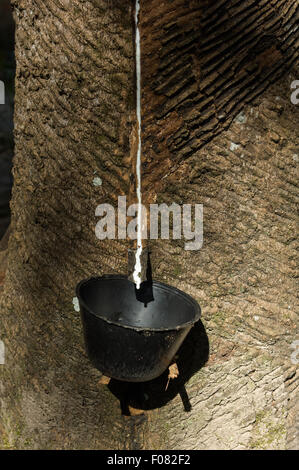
[161, 285]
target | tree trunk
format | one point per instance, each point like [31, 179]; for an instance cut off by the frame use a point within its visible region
[218, 129]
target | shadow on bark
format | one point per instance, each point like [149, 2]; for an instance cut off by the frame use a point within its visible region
[7, 75]
[192, 356]
[210, 59]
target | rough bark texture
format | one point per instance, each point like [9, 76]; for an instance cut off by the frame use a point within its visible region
[219, 129]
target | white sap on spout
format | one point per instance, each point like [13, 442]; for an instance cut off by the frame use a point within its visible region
[137, 268]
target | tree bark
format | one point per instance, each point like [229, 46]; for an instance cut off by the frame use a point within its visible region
[218, 129]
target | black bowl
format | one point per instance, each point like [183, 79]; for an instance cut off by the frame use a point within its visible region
[128, 339]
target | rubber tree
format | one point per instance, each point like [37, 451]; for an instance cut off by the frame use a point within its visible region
[218, 129]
